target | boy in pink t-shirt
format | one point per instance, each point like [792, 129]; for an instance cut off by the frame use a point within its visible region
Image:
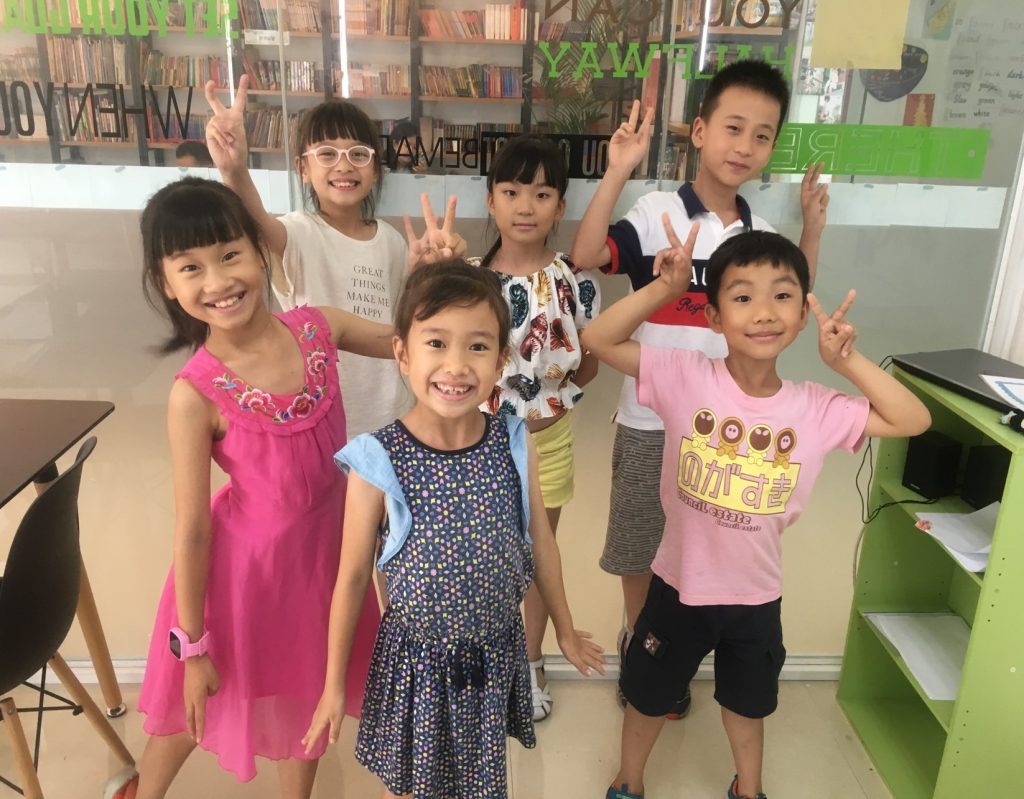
[743, 448]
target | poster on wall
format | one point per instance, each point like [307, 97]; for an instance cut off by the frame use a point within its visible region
[919, 110]
[886, 85]
[985, 80]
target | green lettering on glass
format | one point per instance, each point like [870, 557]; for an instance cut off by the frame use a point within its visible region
[125, 17]
[633, 64]
[882, 150]
[630, 64]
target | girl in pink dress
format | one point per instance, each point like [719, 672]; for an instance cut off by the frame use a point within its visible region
[239, 649]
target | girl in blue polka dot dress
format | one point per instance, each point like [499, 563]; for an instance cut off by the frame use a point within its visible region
[444, 495]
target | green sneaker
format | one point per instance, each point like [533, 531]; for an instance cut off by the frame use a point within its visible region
[734, 786]
[622, 792]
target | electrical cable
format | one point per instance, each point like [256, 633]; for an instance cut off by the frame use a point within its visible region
[867, 514]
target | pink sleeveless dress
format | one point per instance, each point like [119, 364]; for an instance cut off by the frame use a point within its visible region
[273, 563]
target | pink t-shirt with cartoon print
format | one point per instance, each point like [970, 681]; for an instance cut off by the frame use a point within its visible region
[737, 471]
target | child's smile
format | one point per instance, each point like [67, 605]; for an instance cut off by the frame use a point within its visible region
[760, 310]
[451, 359]
[341, 183]
[213, 283]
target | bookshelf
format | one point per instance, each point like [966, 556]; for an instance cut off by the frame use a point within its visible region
[439, 65]
[922, 747]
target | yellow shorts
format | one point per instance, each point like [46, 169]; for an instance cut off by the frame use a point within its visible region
[556, 466]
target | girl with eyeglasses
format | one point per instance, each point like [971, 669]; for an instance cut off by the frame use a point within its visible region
[335, 253]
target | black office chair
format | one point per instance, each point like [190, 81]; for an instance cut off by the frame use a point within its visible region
[38, 597]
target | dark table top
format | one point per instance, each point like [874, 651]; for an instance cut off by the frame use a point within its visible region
[34, 433]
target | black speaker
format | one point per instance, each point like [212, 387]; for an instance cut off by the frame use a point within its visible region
[986, 475]
[932, 461]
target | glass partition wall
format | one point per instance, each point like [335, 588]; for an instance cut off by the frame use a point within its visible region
[921, 143]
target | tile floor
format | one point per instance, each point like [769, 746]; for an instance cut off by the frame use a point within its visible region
[811, 753]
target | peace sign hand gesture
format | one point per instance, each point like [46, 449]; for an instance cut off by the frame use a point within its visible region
[629, 144]
[438, 243]
[225, 132]
[835, 334]
[674, 264]
[814, 199]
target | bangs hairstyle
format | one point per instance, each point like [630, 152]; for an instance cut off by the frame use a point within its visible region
[192, 212]
[518, 161]
[756, 247]
[433, 287]
[340, 119]
[754, 75]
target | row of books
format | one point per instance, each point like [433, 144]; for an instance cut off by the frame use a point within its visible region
[498, 21]
[195, 127]
[432, 128]
[476, 80]
[177, 18]
[388, 79]
[264, 126]
[259, 16]
[297, 15]
[303, 15]
[507, 21]
[377, 17]
[72, 11]
[85, 124]
[185, 70]
[88, 59]
[574, 30]
[300, 76]
[21, 64]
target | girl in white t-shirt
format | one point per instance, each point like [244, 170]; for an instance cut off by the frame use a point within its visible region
[547, 366]
[337, 253]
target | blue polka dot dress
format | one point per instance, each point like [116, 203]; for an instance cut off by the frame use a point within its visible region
[449, 680]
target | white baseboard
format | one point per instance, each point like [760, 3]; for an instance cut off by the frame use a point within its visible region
[130, 671]
[797, 667]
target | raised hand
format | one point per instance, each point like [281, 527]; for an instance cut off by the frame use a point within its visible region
[330, 710]
[583, 653]
[835, 334]
[225, 132]
[201, 682]
[814, 199]
[629, 143]
[674, 264]
[438, 242]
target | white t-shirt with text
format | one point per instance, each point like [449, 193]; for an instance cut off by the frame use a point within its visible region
[323, 266]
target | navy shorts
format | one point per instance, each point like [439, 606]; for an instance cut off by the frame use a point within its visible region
[671, 639]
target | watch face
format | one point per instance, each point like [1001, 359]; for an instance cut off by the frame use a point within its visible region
[175, 646]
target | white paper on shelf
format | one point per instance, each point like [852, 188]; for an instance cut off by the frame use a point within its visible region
[933, 645]
[1009, 389]
[966, 536]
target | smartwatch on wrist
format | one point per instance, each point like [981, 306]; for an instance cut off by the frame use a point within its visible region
[182, 648]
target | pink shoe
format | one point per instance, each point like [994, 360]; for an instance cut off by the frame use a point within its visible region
[122, 785]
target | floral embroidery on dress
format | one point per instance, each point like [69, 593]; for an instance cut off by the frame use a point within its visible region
[252, 399]
[316, 361]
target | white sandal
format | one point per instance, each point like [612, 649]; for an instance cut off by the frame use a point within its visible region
[541, 696]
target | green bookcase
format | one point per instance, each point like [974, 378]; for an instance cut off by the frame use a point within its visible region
[974, 746]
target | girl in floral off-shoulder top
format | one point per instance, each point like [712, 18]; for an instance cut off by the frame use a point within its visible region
[549, 304]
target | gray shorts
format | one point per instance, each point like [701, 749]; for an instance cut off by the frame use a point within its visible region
[636, 520]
